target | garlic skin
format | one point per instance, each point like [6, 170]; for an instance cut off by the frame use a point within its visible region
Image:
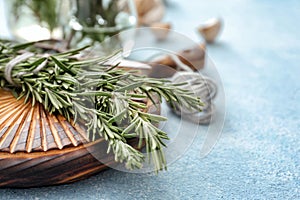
[211, 29]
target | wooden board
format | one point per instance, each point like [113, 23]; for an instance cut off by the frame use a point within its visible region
[39, 149]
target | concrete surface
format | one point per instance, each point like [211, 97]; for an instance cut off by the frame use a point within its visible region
[258, 155]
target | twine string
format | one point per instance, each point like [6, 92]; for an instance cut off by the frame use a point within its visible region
[11, 64]
[18, 59]
[201, 86]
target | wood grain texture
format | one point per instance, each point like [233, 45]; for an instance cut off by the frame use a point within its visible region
[27, 128]
[39, 149]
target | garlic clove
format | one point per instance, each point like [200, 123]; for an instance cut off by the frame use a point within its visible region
[149, 11]
[160, 30]
[144, 6]
[211, 29]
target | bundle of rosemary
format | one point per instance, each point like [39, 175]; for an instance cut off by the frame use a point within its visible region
[66, 83]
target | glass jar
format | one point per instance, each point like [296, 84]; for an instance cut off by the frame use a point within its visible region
[33, 20]
[96, 20]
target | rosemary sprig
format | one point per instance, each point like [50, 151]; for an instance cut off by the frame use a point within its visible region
[109, 102]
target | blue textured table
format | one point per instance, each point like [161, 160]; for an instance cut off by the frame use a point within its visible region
[258, 154]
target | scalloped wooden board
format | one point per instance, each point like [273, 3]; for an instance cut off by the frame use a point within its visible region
[39, 149]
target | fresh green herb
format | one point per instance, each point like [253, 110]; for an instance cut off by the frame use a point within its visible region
[97, 20]
[109, 102]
